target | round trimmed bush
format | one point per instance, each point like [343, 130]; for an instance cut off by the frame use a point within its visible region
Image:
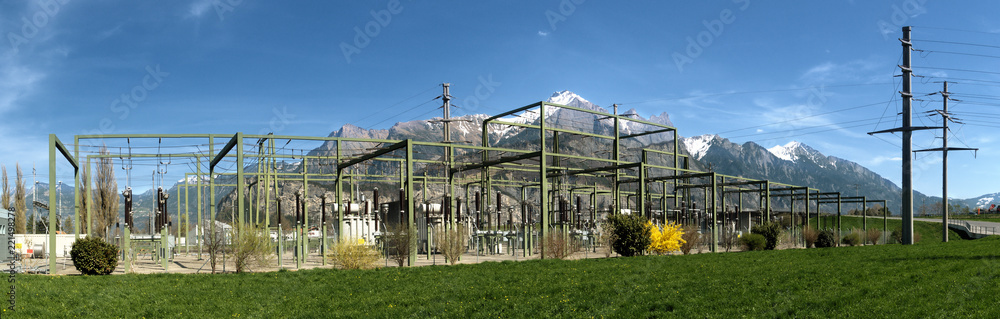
[852, 239]
[826, 239]
[94, 256]
[631, 234]
[771, 232]
[753, 242]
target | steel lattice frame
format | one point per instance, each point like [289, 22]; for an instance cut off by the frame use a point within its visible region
[483, 166]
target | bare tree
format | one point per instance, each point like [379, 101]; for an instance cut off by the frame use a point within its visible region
[20, 207]
[84, 198]
[451, 242]
[5, 195]
[400, 238]
[107, 195]
[251, 247]
[215, 242]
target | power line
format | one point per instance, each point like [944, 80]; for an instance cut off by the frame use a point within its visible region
[802, 118]
[961, 53]
[400, 113]
[749, 92]
[959, 43]
[958, 70]
[835, 125]
[395, 104]
[959, 30]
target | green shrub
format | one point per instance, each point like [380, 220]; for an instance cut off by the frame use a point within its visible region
[94, 256]
[751, 242]
[251, 247]
[353, 254]
[771, 231]
[852, 239]
[896, 236]
[631, 234]
[826, 238]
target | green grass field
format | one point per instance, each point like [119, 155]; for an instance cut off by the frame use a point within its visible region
[983, 218]
[956, 279]
[929, 232]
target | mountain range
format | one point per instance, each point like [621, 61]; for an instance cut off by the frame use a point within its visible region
[793, 163]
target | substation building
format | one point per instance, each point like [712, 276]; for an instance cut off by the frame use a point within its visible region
[552, 177]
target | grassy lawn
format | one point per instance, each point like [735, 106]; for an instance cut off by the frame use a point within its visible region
[929, 232]
[979, 218]
[956, 279]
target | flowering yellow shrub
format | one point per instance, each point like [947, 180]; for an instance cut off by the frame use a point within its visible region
[665, 239]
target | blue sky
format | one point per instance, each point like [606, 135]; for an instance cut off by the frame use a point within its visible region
[228, 65]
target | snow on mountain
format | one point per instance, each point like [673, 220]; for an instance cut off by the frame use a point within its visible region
[788, 152]
[984, 201]
[193, 179]
[697, 146]
[566, 98]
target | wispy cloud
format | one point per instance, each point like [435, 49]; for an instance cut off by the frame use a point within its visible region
[850, 71]
[542, 33]
[878, 160]
[17, 80]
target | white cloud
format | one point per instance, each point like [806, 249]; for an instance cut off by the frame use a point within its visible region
[850, 71]
[882, 159]
[542, 33]
[16, 81]
[819, 70]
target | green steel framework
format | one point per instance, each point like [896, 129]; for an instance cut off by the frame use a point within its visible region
[546, 161]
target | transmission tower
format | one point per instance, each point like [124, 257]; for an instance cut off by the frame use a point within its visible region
[945, 119]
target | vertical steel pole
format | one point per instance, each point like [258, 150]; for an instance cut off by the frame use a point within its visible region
[410, 220]
[907, 95]
[715, 214]
[840, 229]
[89, 196]
[543, 186]
[323, 245]
[200, 229]
[52, 201]
[305, 209]
[76, 190]
[944, 163]
[240, 178]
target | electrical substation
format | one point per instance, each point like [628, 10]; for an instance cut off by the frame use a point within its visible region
[553, 177]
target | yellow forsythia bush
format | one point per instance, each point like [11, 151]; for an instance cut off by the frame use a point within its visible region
[665, 239]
